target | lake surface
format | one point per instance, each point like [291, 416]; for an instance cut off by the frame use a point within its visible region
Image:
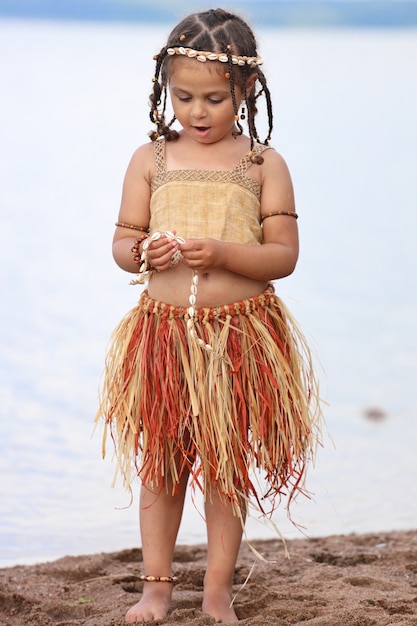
[73, 109]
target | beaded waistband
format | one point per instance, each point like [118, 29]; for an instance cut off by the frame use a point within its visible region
[241, 307]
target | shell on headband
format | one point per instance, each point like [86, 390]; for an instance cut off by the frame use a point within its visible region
[203, 56]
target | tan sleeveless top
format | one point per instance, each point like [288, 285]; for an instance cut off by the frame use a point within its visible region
[221, 204]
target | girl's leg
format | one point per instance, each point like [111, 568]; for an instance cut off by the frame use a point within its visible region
[160, 517]
[224, 536]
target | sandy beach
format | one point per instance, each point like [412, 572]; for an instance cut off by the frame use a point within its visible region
[349, 580]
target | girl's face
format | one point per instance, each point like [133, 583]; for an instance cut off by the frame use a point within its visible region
[201, 99]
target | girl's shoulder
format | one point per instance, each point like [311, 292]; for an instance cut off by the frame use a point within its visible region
[273, 161]
[143, 152]
[268, 152]
[142, 161]
[275, 178]
[270, 168]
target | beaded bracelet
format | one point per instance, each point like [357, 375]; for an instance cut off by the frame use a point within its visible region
[274, 213]
[136, 249]
[143, 229]
[145, 270]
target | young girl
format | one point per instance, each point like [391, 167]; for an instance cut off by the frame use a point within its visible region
[208, 377]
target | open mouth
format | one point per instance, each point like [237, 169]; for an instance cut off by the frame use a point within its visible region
[202, 131]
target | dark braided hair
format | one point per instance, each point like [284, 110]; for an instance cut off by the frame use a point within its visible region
[220, 32]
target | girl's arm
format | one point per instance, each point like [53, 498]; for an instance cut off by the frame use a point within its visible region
[134, 210]
[278, 255]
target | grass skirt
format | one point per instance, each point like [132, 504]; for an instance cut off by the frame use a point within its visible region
[251, 403]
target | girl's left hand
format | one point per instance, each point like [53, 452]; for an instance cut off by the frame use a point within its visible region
[203, 254]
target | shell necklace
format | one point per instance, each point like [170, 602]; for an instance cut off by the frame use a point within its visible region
[145, 272]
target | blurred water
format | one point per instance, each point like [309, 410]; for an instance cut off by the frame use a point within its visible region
[73, 108]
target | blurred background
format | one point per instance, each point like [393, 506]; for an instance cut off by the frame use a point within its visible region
[75, 78]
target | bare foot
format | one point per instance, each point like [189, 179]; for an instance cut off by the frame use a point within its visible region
[153, 605]
[216, 602]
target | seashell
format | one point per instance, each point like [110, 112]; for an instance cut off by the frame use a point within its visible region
[155, 236]
[175, 259]
[191, 53]
[171, 51]
[181, 50]
[241, 62]
[235, 60]
[201, 58]
[145, 246]
[192, 299]
[212, 56]
[180, 239]
[195, 279]
[194, 290]
[169, 234]
[223, 58]
[191, 311]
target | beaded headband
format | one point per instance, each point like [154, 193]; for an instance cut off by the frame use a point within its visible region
[203, 56]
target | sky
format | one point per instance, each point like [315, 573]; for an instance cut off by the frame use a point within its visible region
[351, 13]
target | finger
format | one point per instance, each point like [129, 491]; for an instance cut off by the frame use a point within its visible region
[160, 243]
[190, 250]
[162, 250]
[159, 258]
[188, 245]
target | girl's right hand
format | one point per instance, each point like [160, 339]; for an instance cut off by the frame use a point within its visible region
[160, 253]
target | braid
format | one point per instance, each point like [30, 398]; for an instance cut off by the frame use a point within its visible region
[231, 76]
[160, 93]
[155, 96]
[265, 90]
[252, 111]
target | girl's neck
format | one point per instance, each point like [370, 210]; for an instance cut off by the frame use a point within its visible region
[185, 153]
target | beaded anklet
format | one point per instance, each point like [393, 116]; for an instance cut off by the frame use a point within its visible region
[159, 579]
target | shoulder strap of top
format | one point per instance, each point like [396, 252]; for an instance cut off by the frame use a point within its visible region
[245, 162]
[159, 152]
[241, 167]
